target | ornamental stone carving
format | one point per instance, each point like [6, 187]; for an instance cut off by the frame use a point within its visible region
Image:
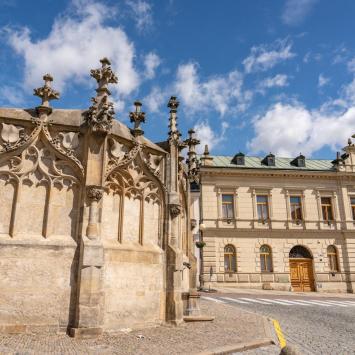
[137, 118]
[69, 140]
[11, 135]
[101, 113]
[46, 93]
[175, 210]
[94, 193]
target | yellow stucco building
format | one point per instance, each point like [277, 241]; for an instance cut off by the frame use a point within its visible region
[279, 223]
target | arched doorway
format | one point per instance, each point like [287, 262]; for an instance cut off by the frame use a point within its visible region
[301, 269]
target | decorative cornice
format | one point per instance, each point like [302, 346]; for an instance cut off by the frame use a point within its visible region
[216, 171]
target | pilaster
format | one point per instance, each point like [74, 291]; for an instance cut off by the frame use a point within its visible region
[90, 294]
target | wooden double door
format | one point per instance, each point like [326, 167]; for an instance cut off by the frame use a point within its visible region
[302, 277]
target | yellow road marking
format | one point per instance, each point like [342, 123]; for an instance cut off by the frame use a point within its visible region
[279, 334]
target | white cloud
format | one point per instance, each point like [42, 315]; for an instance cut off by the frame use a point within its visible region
[74, 45]
[11, 95]
[312, 56]
[322, 80]
[279, 80]
[151, 63]
[349, 92]
[209, 136]
[295, 11]
[141, 13]
[264, 57]
[341, 54]
[287, 130]
[155, 99]
[220, 93]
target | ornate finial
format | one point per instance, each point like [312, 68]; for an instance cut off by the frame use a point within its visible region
[192, 162]
[206, 159]
[137, 117]
[104, 76]
[46, 93]
[174, 133]
[100, 114]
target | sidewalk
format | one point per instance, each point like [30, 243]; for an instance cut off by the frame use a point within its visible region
[251, 291]
[231, 327]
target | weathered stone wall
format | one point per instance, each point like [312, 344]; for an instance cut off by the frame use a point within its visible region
[37, 285]
[94, 222]
[134, 287]
[45, 212]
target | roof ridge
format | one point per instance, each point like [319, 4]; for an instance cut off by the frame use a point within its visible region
[259, 157]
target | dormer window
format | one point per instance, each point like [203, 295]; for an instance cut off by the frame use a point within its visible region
[299, 161]
[269, 160]
[239, 159]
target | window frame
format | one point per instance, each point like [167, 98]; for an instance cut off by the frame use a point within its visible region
[230, 256]
[328, 208]
[232, 203]
[265, 256]
[300, 205]
[333, 260]
[267, 204]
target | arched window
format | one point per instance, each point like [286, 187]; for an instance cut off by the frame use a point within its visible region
[300, 252]
[230, 259]
[332, 258]
[265, 258]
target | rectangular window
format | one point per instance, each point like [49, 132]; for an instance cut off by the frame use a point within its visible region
[352, 203]
[262, 207]
[296, 208]
[227, 206]
[327, 210]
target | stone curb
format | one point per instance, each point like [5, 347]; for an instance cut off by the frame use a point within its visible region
[229, 349]
[270, 339]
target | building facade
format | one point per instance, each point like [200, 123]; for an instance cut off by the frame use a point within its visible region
[95, 228]
[279, 223]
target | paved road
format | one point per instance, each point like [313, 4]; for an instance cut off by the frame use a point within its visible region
[315, 325]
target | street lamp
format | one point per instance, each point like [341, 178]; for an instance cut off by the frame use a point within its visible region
[202, 227]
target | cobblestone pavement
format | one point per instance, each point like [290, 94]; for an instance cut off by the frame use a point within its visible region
[231, 326]
[316, 325]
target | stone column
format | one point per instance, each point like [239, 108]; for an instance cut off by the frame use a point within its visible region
[174, 258]
[90, 293]
[90, 300]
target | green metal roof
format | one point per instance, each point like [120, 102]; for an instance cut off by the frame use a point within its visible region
[222, 161]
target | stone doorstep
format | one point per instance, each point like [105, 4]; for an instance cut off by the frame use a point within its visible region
[230, 349]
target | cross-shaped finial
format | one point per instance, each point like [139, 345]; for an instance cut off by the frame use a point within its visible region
[104, 76]
[46, 93]
[137, 118]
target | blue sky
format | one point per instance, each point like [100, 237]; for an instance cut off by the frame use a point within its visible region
[253, 76]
